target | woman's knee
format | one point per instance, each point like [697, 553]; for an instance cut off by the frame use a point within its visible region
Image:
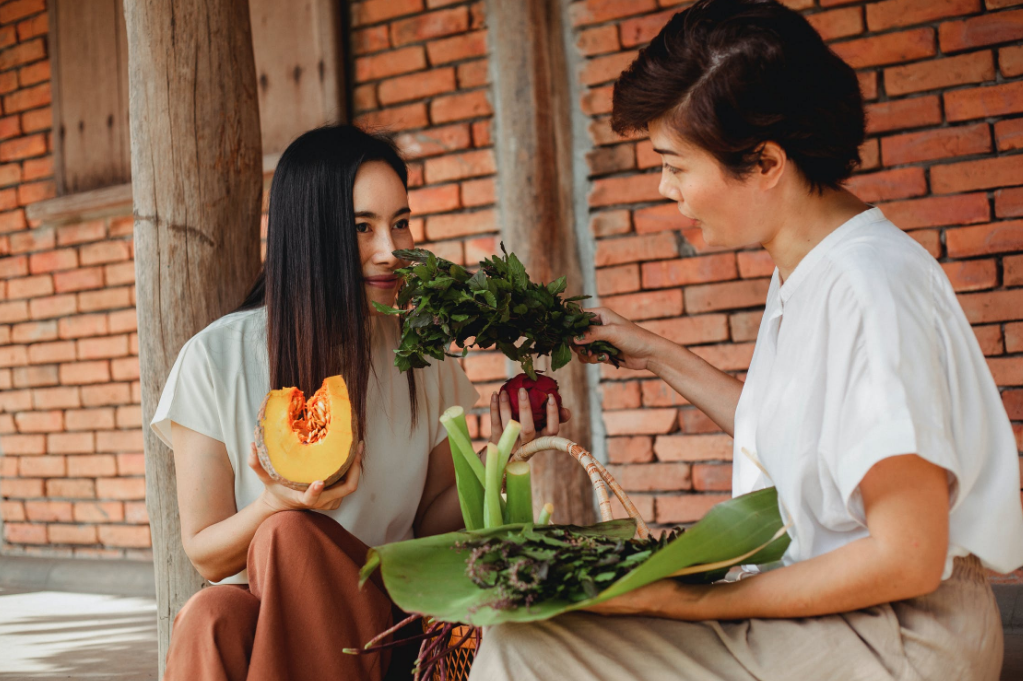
[218, 609]
[301, 531]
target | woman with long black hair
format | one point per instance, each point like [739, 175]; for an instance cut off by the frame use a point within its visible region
[287, 600]
[868, 403]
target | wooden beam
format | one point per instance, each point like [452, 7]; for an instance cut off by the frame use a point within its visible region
[197, 178]
[533, 144]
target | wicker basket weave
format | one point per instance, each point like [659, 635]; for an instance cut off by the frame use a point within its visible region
[459, 661]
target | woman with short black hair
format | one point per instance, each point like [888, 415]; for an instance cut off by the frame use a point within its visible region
[868, 403]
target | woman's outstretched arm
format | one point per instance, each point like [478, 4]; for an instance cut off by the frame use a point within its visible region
[709, 389]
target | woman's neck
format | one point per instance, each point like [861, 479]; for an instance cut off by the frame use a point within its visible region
[809, 219]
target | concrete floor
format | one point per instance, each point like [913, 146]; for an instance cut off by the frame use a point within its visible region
[50, 635]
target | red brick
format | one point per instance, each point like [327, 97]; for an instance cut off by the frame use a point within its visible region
[686, 508]
[79, 373]
[1013, 401]
[986, 29]
[13, 355]
[80, 326]
[972, 275]
[990, 338]
[1009, 134]
[28, 98]
[397, 118]
[136, 512]
[119, 274]
[50, 353]
[43, 466]
[93, 466]
[34, 377]
[868, 84]
[8, 36]
[692, 420]
[636, 249]
[1010, 61]
[127, 368]
[34, 332]
[596, 101]
[30, 287]
[36, 191]
[886, 185]
[637, 449]
[460, 106]
[612, 280]
[994, 306]
[55, 398]
[652, 477]
[21, 488]
[105, 252]
[12, 511]
[71, 488]
[726, 296]
[641, 30]
[98, 511]
[1007, 371]
[37, 120]
[434, 141]
[40, 421]
[838, 23]
[375, 11]
[870, 155]
[648, 304]
[22, 148]
[631, 189]
[940, 73]
[16, 266]
[983, 174]
[8, 82]
[646, 157]
[984, 102]
[481, 247]
[607, 160]
[609, 223]
[600, 40]
[1009, 202]
[23, 533]
[897, 13]
[1012, 271]
[607, 68]
[121, 488]
[10, 126]
[131, 463]
[364, 98]
[478, 193]
[23, 53]
[457, 48]
[755, 264]
[599, 11]
[19, 9]
[51, 261]
[34, 240]
[89, 419]
[935, 144]
[688, 330]
[936, 211]
[930, 239]
[745, 325]
[726, 357]
[126, 535]
[370, 40]
[10, 173]
[37, 168]
[693, 270]
[1013, 337]
[712, 477]
[450, 226]
[890, 48]
[34, 73]
[430, 25]
[390, 63]
[434, 199]
[103, 347]
[105, 299]
[119, 441]
[903, 114]
[12, 221]
[639, 421]
[52, 306]
[601, 133]
[104, 395]
[473, 74]
[72, 534]
[460, 166]
[998, 237]
[78, 280]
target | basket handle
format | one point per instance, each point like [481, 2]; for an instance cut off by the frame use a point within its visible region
[599, 477]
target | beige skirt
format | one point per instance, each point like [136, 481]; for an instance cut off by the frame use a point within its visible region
[953, 633]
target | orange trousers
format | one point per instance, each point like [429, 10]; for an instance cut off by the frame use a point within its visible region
[302, 606]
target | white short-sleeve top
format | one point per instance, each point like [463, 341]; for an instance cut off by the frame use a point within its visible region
[221, 377]
[864, 353]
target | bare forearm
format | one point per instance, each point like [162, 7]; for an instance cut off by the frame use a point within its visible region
[443, 515]
[709, 389]
[858, 575]
[220, 550]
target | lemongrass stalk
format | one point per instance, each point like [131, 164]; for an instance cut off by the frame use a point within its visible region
[545, 514]
[520, 492]
[507, 441]
[492, 516]
[453, 420]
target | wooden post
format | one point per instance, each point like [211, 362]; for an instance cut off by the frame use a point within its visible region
[196, 166]
[533, 140]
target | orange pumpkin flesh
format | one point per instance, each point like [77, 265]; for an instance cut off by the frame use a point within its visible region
[300, 441]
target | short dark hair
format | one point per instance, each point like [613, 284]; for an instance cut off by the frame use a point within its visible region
[730, 75]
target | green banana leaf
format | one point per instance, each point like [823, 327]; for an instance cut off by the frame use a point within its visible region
[427, 575]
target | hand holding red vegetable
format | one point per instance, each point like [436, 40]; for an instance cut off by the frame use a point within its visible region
[637, 345]
[501, 413]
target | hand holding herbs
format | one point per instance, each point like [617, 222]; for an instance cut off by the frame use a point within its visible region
[496, 306]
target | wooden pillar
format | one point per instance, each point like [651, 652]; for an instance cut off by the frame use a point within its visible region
[533, 141]
[196, 184]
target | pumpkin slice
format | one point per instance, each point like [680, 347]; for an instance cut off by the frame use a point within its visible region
[300, 441]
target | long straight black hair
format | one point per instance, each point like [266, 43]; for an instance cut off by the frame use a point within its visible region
[311, 281]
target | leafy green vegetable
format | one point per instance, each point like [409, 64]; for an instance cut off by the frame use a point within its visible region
[496, 306]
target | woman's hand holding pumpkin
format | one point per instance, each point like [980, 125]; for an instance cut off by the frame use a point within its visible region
[315, 497]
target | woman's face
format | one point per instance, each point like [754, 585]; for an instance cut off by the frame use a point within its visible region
[731, 213]
[382, 226]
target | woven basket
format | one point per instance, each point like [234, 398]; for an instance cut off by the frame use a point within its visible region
[459, 661]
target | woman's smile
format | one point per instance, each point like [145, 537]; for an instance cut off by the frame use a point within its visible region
[383, 281]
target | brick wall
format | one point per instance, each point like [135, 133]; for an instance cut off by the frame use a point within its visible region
[944, 99]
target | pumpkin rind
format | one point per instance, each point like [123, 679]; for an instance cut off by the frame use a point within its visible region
[276, 438]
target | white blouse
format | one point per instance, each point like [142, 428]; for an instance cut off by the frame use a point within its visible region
[221, 377]
[864, 353]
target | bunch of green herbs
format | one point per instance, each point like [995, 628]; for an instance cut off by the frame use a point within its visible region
[527, 567]
[497, 305]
